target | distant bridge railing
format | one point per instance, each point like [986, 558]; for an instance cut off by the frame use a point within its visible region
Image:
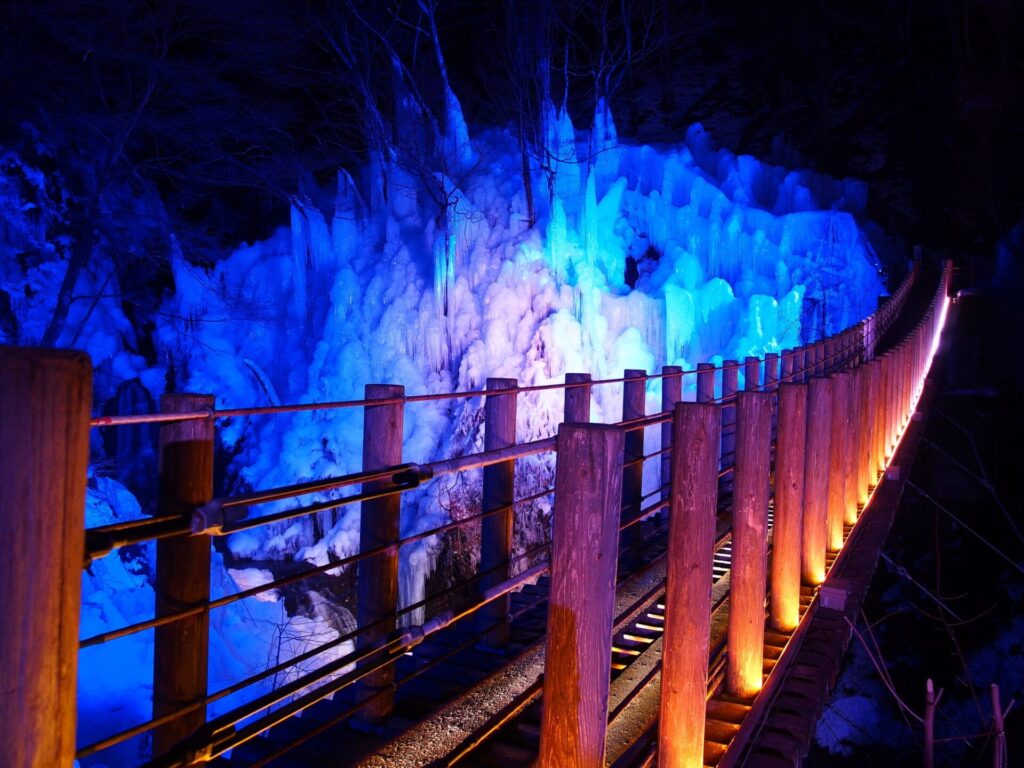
[729, 437]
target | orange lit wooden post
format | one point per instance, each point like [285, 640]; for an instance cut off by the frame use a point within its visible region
[181, 648]
[838, 448]
[789, 502]
[816, 480]
[882, 412]
[862, 377]
[45, 397]
[751, 373]
[705, 382]
[691, 541]
[745, 656]
[577, 398]
[671, 393]
[378, 527]
[850, 451]
[771, 371]
[498, 494]
[634, 395]
[730, 385]
[584, 549]
[877, 405]
[891, 408]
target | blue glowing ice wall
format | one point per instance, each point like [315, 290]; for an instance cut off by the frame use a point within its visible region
[639, 256]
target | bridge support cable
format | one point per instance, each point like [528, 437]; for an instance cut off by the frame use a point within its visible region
[45, 397]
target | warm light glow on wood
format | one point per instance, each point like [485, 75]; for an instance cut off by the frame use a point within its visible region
[688, 600]
[789, 499]
[745, 644]
[816, 480]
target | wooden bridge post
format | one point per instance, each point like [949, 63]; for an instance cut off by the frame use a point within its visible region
[751, 373]
[877, 406]
[889, 367]
[584, 552]
[819, 359]
[577, 399]
[181, 649]
[831, 357]
[816, 480]
[671, 393]
[634, 397]
[745, 645]
[499, 488]
[730, 386]
[771, 371]
[45, 398]
[705, 382]
[800, 365]
[838, 448]
[691, 541]
[788, 366]
[378, 527]
[862, 378]
[789, 502]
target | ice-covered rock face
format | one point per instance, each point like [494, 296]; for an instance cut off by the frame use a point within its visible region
[639, 257]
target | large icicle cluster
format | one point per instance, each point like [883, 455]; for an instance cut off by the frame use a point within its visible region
[729, 257]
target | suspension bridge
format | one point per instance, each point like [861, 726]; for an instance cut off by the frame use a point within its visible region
[699, 623]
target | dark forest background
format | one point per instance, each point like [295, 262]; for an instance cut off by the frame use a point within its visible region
[224, 107]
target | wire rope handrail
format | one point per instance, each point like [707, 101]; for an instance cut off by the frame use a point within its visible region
[407, 476]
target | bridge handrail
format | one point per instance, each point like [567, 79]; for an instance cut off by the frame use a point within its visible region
[844, 349]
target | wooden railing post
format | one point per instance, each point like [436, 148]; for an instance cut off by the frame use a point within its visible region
[863, 447]
[45, 397]
[787, 534]
[378, 527]
[877, 405]
[498, 494]
[831, 358]
[771, 371]
[730, 386]
[634, 396]
[577, 398]
[788, 366]
[671, 393]
[745, 650]
[850, 468]
[816, 481]
[181, 648]
[751, 373]
[691, 541]
[584, 551]
[705, 382]
[839, 447]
